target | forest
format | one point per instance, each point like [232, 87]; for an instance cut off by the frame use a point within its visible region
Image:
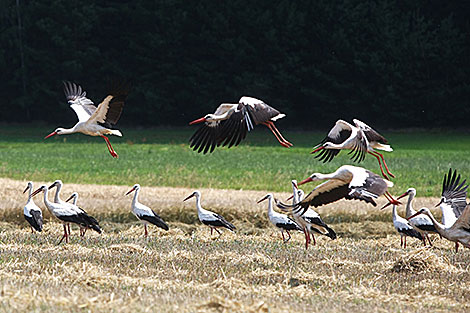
[393, 64]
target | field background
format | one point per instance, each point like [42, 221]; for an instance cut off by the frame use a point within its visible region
[187, 270]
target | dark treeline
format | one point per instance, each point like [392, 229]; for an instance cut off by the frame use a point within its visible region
[390, 63]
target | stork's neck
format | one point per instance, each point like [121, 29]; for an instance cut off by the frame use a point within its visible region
[295, 198]
[441, 229]
[409, 208]
[394, 212]
[46, 200]
[66, 131]
[136, 197]
[198, 205]
[57, 193]
[75, 199]
[270, 206]
[30, 191]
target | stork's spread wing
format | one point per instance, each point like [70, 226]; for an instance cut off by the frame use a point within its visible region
[454, 193]
[337, 135]
[360, 148]
[109, 111]
[370, 133]
[259, 112]
[327, 192]
[78, 101]
[224, 132]
[463, 222]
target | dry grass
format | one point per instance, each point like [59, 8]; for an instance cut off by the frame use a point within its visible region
[186, 270]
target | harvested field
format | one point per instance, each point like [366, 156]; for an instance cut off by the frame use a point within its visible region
[251, 270]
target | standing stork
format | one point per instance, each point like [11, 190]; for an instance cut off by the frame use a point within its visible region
[310, 221]
[230, 123]
[67, 213]
[360, 138]
[92, 120]
[281, 221]
[32, 213]
[144, 213]
[209, 218]
[74, 198]
[458, 233]
[348, 182]
[403, 227]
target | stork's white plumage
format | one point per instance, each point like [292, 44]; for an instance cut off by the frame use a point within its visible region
[67, 213]
[404, 228]
[92, 120]
[281, 221]
[348, 182]
[360, 138]
[230, 123]
[209, 218]
[144, 213]
[74, 198]
[421, 223]
[32, 213]
[309, 220]
[458, 233]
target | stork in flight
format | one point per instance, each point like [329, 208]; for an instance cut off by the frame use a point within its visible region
[232, 121]
[144, 213]
[459, 232]
[281, 221]
[360, 138]
[209, 218]
[348, 182]
[92, 120]
[32, 213]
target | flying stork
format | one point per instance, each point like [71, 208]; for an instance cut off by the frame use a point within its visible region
[144, 213]
[230, 123]
[281, 221]
[67, 213]
[348, 182]
[310, 221]
[458, 233]
[92, 120]
[360, 138]
[209, 218]
[32, 213]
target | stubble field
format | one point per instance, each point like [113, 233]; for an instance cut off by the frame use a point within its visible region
[185, 269]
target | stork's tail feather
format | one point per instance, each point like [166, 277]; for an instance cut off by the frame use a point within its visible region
[383, 147]
[116, 132]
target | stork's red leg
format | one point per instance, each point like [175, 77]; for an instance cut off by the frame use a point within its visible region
[405, 243]
[289, 236]
[212, 229]
[307, 239]
[274, 129]
[284, 144]
[385, 164]
[401, 241]
[110, 147]
[380, 164]
[314, 241]
[429, 240]
[456, 247]
[32, 230]
[68, 227]
[218, 232]
[146, 232]
[282, 233]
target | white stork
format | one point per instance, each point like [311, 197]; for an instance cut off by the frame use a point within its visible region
[67, 213]
[32, 213]
[74, 198]
[310, 221]
[348, 182]
[230, 123]
[83, 227]
[92, 120]
[281, 221]
[458, 233]
[144, 213]
[209, 218]
[403, 227]
[360, 139]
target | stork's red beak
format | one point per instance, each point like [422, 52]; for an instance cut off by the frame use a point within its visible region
[35, 192]
[403, 195]
[290, 198]
[307, 180]
[262, 199]
[50, 135]
[130, 191]
[416, 214]
[188, 197]
[199, 120]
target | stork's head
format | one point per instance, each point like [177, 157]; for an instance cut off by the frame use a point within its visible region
[72, 196]
[196, 194]
[42, 188]
[268, 196]
[30, 186]
[313, 177]
[136, 187]
[409, 192]
[207, 118]
[422, 211]
[56, 184]
[58, 131]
